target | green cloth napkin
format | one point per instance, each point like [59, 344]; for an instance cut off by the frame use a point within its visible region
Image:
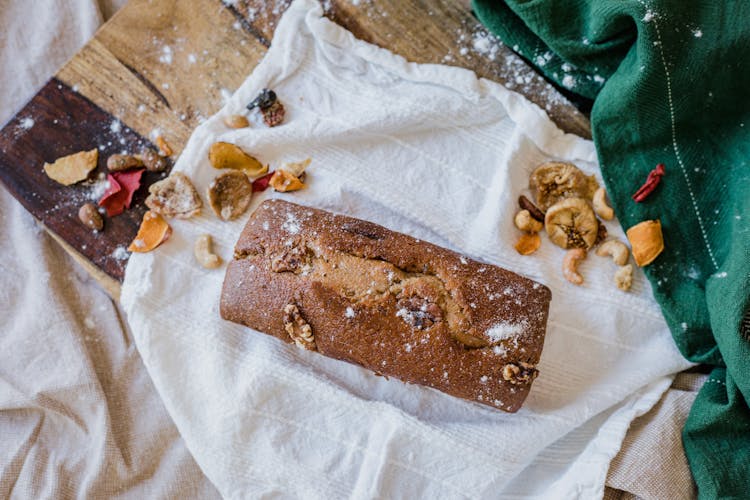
[670, 81]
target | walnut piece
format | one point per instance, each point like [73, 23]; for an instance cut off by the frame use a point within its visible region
[297, 328]
[519, 374]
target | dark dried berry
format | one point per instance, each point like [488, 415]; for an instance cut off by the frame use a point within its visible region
[265, 100]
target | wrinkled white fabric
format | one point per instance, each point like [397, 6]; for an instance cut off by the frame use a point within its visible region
[79, 416]
[434, 152]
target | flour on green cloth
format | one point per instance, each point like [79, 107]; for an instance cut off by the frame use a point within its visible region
[671, 84]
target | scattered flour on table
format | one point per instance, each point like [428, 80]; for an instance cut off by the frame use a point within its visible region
[120, 253]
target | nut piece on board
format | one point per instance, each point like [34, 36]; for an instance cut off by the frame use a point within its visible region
[118, 163]
[229, 194]
[283, 181]
[554, 181]
[174, 196]
[646, 240]
[153, 232]
[525, 222]
[236, 121]
[624, 277]
[203, 251]
[72, 168]
[528, 243]
[570, 265]
[616, 249]
[225, 155]
[152, 160]
[90, 217]
[601, 207]
[571, 223]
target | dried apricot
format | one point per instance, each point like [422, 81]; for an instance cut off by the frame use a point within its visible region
[153, 232]
[528, 243]
[284, 181]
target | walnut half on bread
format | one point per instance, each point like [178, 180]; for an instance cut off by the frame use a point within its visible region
[358, 292]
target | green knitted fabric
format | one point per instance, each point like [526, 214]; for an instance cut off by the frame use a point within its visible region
[670, 81]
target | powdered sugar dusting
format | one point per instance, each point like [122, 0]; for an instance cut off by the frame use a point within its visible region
[503, 331]
[291, 224]
[349, 312]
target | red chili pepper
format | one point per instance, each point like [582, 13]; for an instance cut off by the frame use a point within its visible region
[653, 179]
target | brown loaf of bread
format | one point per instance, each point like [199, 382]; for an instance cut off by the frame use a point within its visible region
[401, 307]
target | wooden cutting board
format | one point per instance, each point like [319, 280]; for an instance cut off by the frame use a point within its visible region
[159, 67]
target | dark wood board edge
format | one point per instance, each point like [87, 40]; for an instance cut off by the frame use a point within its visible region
[56, 122]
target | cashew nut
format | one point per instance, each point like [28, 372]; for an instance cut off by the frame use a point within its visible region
[525, 222]
[570, 265]
[624, 277]
[616, 249]
[600, 205]
[204, 253]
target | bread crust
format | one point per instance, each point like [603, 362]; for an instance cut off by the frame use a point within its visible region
[401, 307]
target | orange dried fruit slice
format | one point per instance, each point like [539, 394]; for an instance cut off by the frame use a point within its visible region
[528, 243]
[153, 232]
[225, 155]
[284, 181]
[646, 241]
[72, 168]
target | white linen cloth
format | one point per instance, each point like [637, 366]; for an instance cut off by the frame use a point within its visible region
[437, 153]
[79, 415]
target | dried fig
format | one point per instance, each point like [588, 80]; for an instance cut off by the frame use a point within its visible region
[554, 181]
[174, 196]
[571, 223]
[229, 194]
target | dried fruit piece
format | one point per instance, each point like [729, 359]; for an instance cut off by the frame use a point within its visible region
[263, 100]
[274, 114]
[164, 148]
[653, 180]
[90, 217]
[283, 181]
[571, 223]
[624, 277]
[72, 168]
[601, 207]
[554, 181]
[174, 196]
[225, 155]
[526, 204]
[297, 168]
[229, 195]
[153, 232]
[646, 240]
[119, 194]
[152, 161]
[204, 253]
[525, 222]
[236, 121]
[118, 163]
[570, 265]
[528, 243]
[616, 249]
[261, 183]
